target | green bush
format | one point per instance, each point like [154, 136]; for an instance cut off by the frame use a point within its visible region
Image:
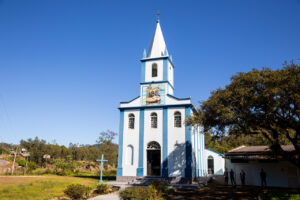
[103, 189]
[77, 191]
[21, 163]
[139, 193]
[158, 185]
[32, 165]
[110, 172]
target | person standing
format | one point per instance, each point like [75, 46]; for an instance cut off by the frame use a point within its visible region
[232, 178]
[263, 178]
[243, 177]
[226, 176]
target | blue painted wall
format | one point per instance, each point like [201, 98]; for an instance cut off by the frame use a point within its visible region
[140, 169]
[165, 143]
[120, 156]
[165, 71]
[188, 146]
[143, 72]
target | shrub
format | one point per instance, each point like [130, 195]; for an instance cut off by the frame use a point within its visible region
[63, 173]
[110, 172]
[77, 191]
[32, 165]
[22, 163]
[158, 185]
[138, 193]
[103, 189]
[48, 171]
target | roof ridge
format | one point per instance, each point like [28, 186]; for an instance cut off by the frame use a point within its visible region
[239, 147]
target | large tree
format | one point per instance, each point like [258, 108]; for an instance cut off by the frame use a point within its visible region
[107, 147]
[264, 102]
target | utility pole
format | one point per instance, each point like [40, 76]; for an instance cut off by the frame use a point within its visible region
[13, 165]
[26, 155]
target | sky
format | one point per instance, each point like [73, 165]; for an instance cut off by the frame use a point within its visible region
[66, 64]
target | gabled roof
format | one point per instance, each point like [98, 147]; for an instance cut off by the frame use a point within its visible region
[158, 46]
[258, 149]
[258, 153]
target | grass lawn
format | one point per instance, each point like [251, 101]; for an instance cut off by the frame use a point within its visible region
[38, 187]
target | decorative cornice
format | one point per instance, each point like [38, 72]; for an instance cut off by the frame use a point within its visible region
[156, 106]
[159, 58]
[154, 82]
[130, 100]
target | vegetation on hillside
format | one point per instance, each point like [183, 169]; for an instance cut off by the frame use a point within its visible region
[59, 159]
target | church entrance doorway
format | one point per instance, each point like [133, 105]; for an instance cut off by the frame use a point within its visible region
[153, 159]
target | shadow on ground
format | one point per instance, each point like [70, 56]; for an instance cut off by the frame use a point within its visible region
[105, 178]
[212, 191]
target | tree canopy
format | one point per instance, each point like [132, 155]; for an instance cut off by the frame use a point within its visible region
[260, 102]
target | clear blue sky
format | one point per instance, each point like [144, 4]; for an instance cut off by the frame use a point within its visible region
[65, 65]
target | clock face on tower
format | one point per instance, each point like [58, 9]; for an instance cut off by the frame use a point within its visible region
[153, 94]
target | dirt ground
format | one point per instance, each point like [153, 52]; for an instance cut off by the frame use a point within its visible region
[218, 192]
[225, 192]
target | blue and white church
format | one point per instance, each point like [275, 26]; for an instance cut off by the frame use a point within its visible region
[153, 137]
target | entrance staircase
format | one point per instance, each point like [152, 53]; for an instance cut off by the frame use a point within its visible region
[178, 183]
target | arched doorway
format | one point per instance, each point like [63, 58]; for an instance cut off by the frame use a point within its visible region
[210, 165]
[153, 159]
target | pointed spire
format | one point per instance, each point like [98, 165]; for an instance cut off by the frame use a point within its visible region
[158, 46]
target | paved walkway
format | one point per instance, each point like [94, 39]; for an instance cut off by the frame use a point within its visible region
[113, 196]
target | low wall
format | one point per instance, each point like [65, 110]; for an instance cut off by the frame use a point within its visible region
[279, 173]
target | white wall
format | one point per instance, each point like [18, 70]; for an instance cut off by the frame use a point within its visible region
[148, 71]
[279, 174]
[172, 101]
[152, 134]
[219, 161]
[199, 167]
[176, 158]
[171, 73]
[130, 137]
[170, 90]
[136, 102]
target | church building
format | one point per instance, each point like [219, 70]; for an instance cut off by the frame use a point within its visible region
[153, 137]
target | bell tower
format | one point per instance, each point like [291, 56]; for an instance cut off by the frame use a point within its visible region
[157, 68]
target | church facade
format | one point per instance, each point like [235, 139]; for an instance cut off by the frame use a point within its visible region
[153, 137]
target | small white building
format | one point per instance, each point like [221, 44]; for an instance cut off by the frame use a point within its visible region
[251, 159]
[153, 137]
[215, 162]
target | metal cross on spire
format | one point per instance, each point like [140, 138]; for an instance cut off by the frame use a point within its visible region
[157, 16]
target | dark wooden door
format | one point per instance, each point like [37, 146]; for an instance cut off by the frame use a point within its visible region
[153, 163]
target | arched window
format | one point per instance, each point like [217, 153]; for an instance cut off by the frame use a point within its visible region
[154, 70]
[210, 165]
[153, 120]
[177, 119]
[130, 155]
[131, 121]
